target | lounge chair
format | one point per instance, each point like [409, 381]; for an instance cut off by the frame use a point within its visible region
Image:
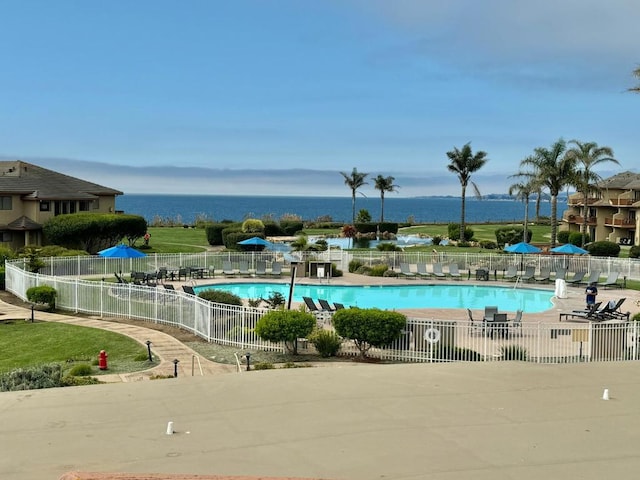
[276, 269]
[561, 274]
[613, 311]
[454, 272]
[511, 274]
[405, 271]
[437, 270]
[422, 270]
[188, 289]
[338, 306]
[586, 314]
[261, 268]
[311, 305]
[325, 305]
[611, 281]
[475, 326]
[529, 273]
[577, 278]
[227, 269]
[545, 275]
[243, 269]
[168, 286]
[119, 279]
[593, 277]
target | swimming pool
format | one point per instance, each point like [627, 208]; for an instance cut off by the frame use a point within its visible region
[402, 296]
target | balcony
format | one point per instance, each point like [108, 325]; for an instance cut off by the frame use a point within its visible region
[621, 202]
[578, 219]
[577, 200]
[620, 222]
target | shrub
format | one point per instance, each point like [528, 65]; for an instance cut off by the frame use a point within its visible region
[220, 296]
[363, 270]
[563, 236]
[454, 232]
[285, 326]
[335, 271]
[388, 247]
[437, 240]
[81, 370]
[252, 225]
[214, 233]
[291, 227]
[450, 352]
[634, 252]
[511, 235]
[488, 244]
[514, 352]
[576, 238]
[390, 273]
[43, 376]
[327, 343]
[275, 300]
[368, 327]
[272, 229]
[378, 270]
[363, 216]
[636, 317]
[263, 366]
[603, 249]
[44, 294]
[391, 227]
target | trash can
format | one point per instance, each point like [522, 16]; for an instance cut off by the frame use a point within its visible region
[561, 288]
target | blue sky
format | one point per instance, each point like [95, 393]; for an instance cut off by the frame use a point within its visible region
[276, 97]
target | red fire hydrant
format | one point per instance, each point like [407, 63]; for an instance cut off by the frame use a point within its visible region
[102, 360]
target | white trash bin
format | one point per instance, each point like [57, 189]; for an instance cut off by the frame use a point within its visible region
[561, 288]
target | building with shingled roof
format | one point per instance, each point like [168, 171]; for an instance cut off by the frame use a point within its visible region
[30, 195]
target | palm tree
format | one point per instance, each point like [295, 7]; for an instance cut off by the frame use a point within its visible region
[553, 170]
[354, 181]
[384, 184]
[587, 155]
[523, 191]
[463, 163]
[636, 73]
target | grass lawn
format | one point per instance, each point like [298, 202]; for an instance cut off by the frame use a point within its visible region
[540, 233]
[26, 344]
[176, 240]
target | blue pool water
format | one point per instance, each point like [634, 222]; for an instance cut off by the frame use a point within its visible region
[402, 296]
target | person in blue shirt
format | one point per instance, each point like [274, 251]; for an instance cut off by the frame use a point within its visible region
[591, 291]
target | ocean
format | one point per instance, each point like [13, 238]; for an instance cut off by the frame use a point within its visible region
[187, 208]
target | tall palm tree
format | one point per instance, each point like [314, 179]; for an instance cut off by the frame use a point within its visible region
[384, 184]
[636, 73]
[553, 170]
[588, 155]
[523, 191]
[463, 163]
[354, 181]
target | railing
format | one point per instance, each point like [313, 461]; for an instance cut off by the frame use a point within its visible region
[620, 222]
[455, 340]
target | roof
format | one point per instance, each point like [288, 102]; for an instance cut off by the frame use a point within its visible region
[37, 183]
[24, 223]
[622, 181]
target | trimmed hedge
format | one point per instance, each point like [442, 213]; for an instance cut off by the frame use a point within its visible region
[511, 235]
[44, 294]
[370, 327]
[603, 249]
[220, 296]
[291, 227]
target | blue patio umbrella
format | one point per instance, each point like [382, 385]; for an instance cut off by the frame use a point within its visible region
[569, 249]
[255, 241]
[121, 251]
[522, 247]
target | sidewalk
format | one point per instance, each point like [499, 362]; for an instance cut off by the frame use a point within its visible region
[163, 346]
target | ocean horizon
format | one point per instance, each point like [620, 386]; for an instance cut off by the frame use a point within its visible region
[187, 208]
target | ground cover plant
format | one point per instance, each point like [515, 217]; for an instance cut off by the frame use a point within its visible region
[24, 344]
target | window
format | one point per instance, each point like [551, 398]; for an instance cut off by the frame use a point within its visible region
[6, 236]
[95, 204]
[6, 203]
[44, 206]
[84, 205]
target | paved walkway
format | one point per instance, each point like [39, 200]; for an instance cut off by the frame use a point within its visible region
[163, 346]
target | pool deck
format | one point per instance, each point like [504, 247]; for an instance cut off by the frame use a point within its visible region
[575, 294]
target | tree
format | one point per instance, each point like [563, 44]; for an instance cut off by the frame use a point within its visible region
[463, 163]
[554, 170]
[384, 184]
[522, 191]
[370, 327]
[587, 156]
[354, 181]
[636, 73]
[285, 326]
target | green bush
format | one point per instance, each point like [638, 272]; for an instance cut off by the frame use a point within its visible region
[390, 273]
[511, 235]
[214, 233]
[252, 225]
[285, 326]
[335, 271]
[458, 354]
[378, 270]
[454, 232]
[575, 238]
[488, 244]
[366, 227]
[391, 227]
[43, 376]
[275, 300]
[220, 296]
[263, 366]
[44, 295]
[636, 317]
[563, 236]
[363, 270]
[634, 252]
[437, 240]
[327, 343]
[603, 249]
[388, 247]
[81, 370]
[369, 327]
[514, 352]
[273, 229]
[291, 227]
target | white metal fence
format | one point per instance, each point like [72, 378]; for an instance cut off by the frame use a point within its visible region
[422, 341]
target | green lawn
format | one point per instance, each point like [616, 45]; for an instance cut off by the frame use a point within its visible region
[540, 233]
[176, 240]
[26, 344]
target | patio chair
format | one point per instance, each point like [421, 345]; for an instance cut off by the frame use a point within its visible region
[325, 305]
[587, 313]
[511, 274]
[422, 270]
[119, 279]
[183, 273]
[168, 286]
[454, 272]
[489, 312]
[498, 326]
[188, 289]
[529, 273]
[577, 278]
[311, 305]
[593, 277]
[276, 269]
[338, 306]
[243, 269]
[437, 271]
[405, 271]
[475, 326]
[227, 269]
[545, 275]
[614, 312]
[515, 323]
[611, 280]
[261, 268]
[561, 274]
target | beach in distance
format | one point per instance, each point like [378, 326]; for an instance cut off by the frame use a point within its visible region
[186, 208]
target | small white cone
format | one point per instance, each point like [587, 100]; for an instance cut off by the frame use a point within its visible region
[605, 394]
[170, 428]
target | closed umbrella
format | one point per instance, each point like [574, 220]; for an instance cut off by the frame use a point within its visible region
[569, 249]
[522, 247]
[121, 251]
